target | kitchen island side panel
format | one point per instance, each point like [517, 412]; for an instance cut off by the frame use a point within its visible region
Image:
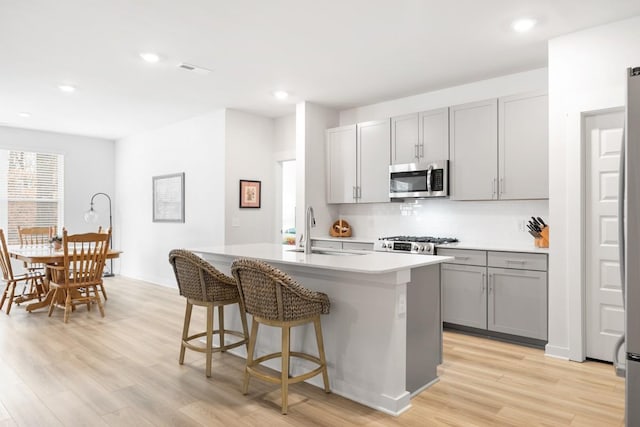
[424, 328]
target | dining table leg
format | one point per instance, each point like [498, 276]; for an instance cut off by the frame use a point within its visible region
[48, 297]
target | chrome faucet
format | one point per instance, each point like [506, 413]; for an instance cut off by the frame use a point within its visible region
[310, 221]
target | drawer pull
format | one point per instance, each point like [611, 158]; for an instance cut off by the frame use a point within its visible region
[515, 261]
[462, 258]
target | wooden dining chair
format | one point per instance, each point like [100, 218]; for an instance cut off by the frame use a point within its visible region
[11, 281]
[78, 278]
[101, 286]
[35, 236]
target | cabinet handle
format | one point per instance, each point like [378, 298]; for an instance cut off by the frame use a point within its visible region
[422, 150]
[359, 192]
[493, 188]
[461, 258]
[501, 188]
[355, 196]
[416, 151]
[515, 261]
[484, 279]
[490, 282]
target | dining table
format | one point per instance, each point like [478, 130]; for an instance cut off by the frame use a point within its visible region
[44, 254]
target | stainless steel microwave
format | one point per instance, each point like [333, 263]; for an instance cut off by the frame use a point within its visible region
[419, 180]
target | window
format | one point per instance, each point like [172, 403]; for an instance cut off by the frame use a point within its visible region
[31, 191]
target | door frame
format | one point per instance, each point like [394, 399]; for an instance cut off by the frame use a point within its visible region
[579, 305]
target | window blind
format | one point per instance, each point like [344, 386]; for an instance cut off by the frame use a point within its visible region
[31, 191]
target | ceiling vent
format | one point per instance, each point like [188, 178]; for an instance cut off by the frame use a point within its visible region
[193, 68]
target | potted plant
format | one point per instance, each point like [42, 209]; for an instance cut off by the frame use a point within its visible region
[56, 242]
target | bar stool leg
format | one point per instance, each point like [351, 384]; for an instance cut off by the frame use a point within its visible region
[252, 346]
[185, 330]
[323, 360]
[245, 328]
[209, 337]
[221, 327]
[285, 368]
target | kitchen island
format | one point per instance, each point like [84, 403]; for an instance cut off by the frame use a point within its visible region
[383, 337]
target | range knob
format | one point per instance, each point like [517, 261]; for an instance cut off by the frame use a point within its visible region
[422, 248]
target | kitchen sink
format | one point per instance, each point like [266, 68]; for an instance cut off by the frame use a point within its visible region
[323, 251]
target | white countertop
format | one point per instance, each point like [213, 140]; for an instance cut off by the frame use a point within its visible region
[346, 239]
[502, 247]
[365, 262]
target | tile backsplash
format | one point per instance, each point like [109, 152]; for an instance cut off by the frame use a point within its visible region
[477, 222]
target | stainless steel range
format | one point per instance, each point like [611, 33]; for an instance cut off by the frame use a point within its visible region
[424, 245]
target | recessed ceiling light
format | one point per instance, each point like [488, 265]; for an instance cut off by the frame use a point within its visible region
[24, 114]
[150, 57]
[280, 94]
[67, 88]
[523, 25]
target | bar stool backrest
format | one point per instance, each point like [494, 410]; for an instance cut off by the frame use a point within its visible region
[271, 294]
[199, 280]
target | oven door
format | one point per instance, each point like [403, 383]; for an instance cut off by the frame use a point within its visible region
[418, 180]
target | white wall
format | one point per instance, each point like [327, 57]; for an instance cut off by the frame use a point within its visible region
[586, 73]
[311, 123]
[88, 168]
[196, 147]
[284, 148]
[284, 140]
[527, 81]
[250, 155]
[472, 222]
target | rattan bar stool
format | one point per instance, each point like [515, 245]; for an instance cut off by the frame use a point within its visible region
[203, 285]
[274, 298]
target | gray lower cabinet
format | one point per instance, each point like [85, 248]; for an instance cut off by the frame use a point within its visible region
[464, 295]
[517, 302]
[479, 292]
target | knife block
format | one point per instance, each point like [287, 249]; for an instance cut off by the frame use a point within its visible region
[543, 240]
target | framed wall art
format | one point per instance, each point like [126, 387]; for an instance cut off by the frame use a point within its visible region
[168, 198]
[250, 193]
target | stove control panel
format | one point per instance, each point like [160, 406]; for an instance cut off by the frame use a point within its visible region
[404, 247]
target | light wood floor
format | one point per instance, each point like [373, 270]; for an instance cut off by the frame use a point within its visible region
[122, 370]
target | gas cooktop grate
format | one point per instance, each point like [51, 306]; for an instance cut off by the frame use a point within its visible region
[420, 239]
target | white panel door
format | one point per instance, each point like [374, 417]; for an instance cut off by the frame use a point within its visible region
[373, 161]
[474, 150]
[434, 135]
[404, 139]
[523, 147]
[341, 164]
[605, 313]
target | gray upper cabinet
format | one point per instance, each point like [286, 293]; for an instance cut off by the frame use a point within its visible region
[341, 164]
[474, 150]
[523, 148]
[404, 139]
[434, 134]
[499, 149]
[373, 161]
[420, 137]
[358, 163]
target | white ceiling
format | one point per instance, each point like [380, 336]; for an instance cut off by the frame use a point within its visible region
[339, 53]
